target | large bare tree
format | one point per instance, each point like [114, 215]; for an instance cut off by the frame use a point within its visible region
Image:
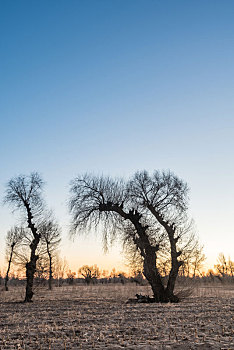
[24, 193]
[148, 212]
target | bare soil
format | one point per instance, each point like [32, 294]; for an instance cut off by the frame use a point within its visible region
[98, 317]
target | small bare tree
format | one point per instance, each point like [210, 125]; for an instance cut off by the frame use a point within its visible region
[193, 258]
[50, 240]
[90, 273]
[24, 193]
[60, 268]
[14, 238]
[224, 267]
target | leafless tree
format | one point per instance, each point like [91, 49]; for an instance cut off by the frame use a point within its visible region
[24, 193]
[147, 211]
[193, 259]
[50, 240]
[90, 273]
[71, 276]
[60, 268]
[14, 238]
[164, 196]
[46, 251]
[224, 267]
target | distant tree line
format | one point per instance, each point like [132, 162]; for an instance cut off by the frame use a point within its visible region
[62, 275]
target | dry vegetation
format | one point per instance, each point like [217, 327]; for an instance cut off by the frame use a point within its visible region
[97, 317]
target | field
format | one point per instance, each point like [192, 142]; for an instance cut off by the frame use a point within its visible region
[97, 317]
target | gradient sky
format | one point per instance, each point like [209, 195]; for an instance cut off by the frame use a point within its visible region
[117, 86]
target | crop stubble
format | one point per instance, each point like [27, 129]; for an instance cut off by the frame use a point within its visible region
[97, 317]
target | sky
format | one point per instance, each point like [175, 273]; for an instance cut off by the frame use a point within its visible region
[112, 87]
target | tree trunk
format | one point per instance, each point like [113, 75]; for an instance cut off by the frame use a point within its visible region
[31, 265]
[6, 281]
[8, 270]
[153, 277]
[171, 282]
[175, 264]
[50, 272]
[30, 271]
[148, 252]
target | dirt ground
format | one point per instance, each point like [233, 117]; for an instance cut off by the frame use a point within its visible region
[97, 317]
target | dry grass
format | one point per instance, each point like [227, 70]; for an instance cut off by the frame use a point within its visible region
[97, 317]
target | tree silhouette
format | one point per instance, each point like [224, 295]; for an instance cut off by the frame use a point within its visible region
[50, 240]
[14, 238]
[148, 212]
[90, 273]
[24, 193]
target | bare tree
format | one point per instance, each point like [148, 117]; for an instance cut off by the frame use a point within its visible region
[50, 240]
[147, 211]
[50, 233]
[14, 238]
[163, 195]
[24, 193]
[193, 259]
[60, 268]
[90, 273]
[225, 267]
[71, 276]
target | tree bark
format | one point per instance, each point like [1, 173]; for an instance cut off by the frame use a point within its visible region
[31, 265]
[153, 277]
[30, 270]
[175, 264]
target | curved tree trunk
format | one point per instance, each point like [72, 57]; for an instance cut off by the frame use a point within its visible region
[175, 264]
[30, 270]
[153, 277]
[31, 265]
[148, 252]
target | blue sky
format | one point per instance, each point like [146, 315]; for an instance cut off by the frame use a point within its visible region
[117, 86]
